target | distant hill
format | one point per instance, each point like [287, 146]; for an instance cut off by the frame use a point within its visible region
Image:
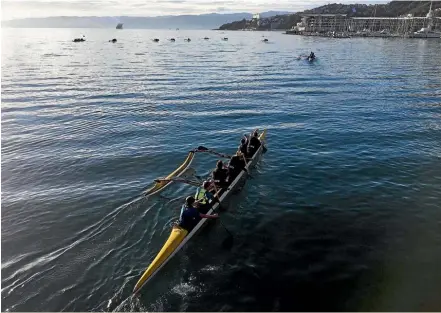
[274, 13]
[391, 9]
[203, 21]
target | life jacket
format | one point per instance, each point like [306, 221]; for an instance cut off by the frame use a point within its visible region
[200, 195]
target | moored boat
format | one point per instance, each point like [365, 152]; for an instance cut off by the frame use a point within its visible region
[179, 236]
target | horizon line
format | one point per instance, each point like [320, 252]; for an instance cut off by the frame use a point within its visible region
[146, 16]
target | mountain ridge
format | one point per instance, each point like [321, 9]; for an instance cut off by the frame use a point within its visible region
[185, 21]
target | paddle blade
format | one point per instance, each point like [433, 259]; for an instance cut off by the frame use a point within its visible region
[202, 148]
[228, 242]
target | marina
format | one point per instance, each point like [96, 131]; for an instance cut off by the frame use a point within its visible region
[342, 26]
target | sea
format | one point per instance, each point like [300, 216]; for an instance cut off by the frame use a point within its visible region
[342, 213]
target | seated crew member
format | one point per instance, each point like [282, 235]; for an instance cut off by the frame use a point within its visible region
[220, 175]
[235, 166]
[243, 147]
[254, 144]
[245, 136]
[190, 216]
[204, 197]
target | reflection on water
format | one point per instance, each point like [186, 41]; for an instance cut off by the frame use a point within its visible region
[342, 213]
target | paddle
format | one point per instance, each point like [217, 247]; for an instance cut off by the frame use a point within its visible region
[245, 160]
[249, 141]
[228, 242]
[245, 168]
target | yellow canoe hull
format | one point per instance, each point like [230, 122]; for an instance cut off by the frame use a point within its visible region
[176, 237]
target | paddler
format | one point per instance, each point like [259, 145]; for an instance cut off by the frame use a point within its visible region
[203, 197]
[220, 175]
[190, 216]
[254, 144]
[236, 165]
[243, 146]
[245, 136]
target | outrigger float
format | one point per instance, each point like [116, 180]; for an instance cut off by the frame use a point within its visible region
[179, 236]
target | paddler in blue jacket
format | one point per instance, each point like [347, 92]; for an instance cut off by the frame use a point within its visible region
[190, 216]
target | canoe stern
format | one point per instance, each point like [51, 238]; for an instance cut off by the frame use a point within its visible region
[177, 235]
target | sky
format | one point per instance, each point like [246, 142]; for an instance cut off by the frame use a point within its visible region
[12, 9]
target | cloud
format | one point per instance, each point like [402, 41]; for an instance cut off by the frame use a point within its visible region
[222, 9]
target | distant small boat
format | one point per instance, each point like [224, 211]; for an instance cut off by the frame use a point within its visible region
[119, 26]
[79, 39]
[156, 40]
[306, 58]
[172, 39]
[188, 39]
[265, 40]
[206, 38]
[225, 38]
[113, 40]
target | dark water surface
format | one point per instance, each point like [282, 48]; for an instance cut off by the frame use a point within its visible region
[342, 213]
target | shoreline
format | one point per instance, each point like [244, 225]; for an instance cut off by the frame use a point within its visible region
[362, 35]
[337, 35]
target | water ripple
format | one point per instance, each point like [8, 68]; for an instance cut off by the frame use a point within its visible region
[342, 208]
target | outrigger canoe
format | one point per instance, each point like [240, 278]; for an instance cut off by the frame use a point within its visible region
[179, 236]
